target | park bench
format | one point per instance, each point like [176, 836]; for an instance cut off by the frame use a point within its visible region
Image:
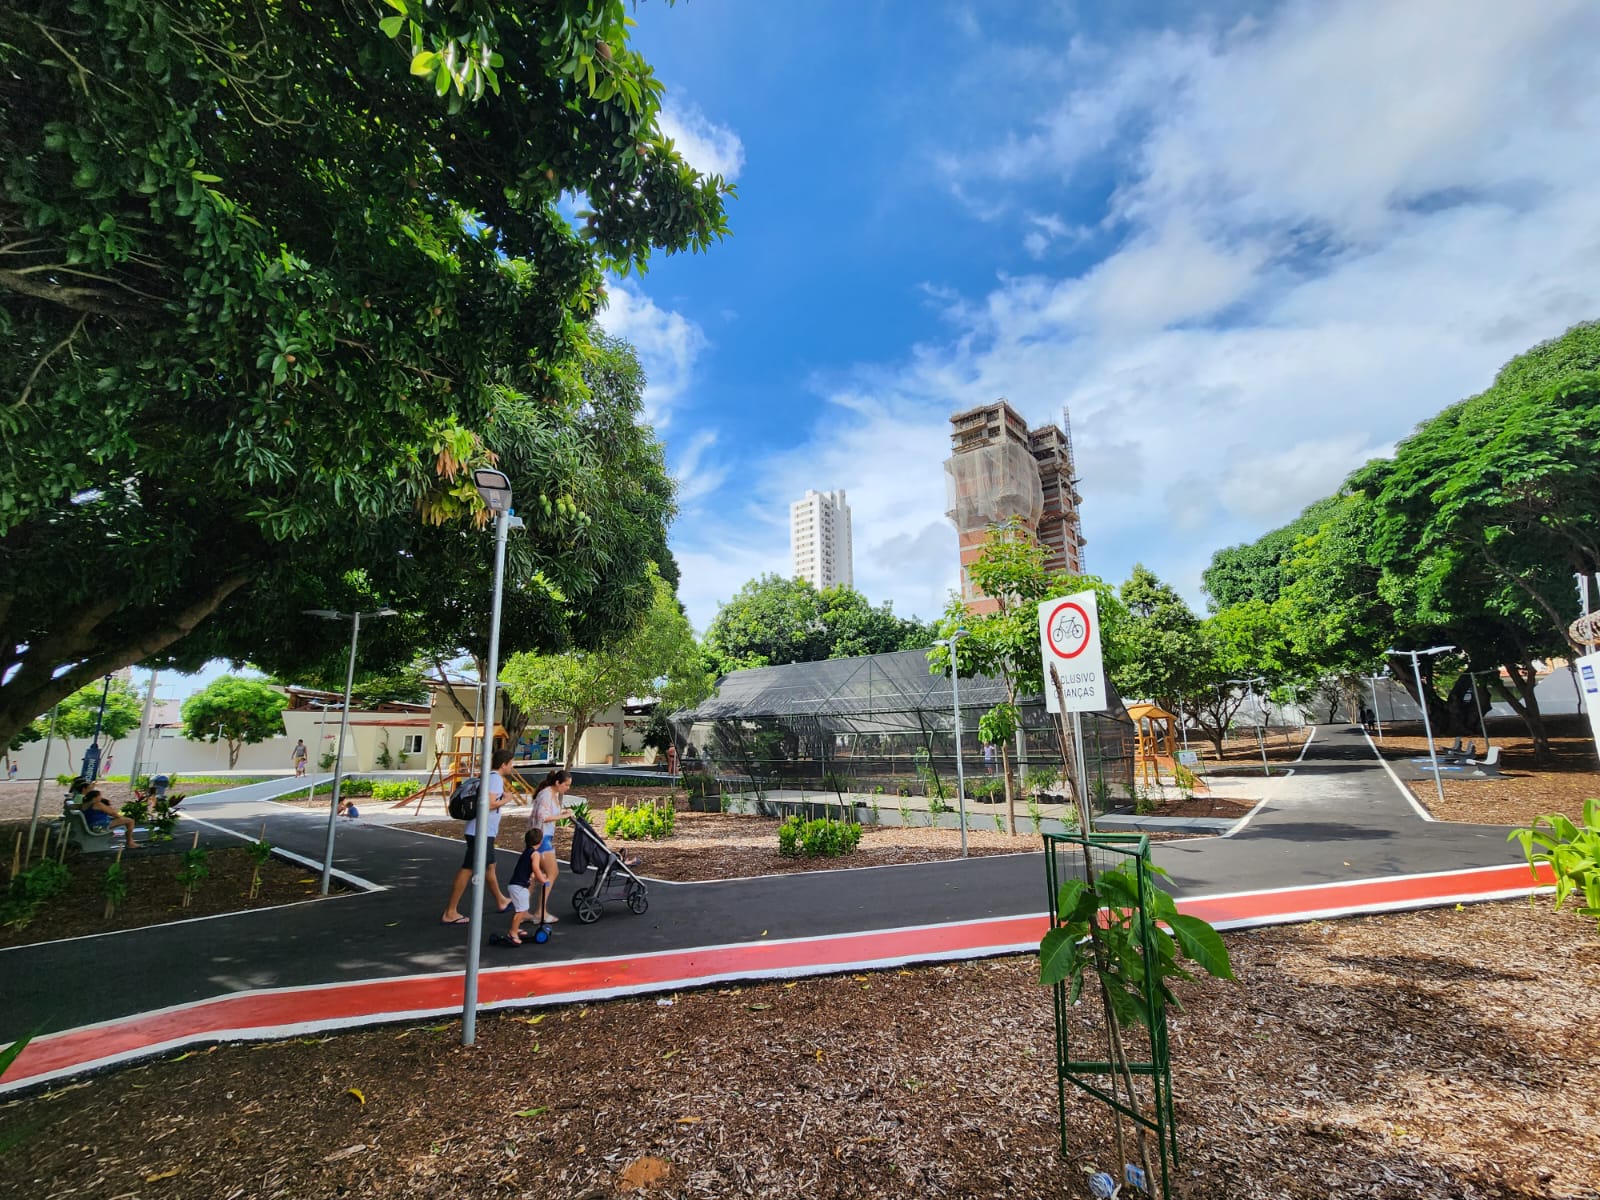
[1489, 768]
[79, 835]
[1458, 753]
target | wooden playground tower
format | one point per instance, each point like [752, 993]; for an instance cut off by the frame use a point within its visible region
[460, 760]
[1155, 732]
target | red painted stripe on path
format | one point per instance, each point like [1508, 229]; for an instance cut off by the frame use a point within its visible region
[280, 1012]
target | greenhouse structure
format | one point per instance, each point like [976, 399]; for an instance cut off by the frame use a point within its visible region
[882, 724]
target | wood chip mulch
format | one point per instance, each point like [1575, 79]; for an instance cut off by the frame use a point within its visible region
[1530, 787]
[1446, 1054]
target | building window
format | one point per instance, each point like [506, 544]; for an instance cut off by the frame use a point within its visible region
[411, 743]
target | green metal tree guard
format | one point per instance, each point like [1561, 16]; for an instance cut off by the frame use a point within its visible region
[1066, 856]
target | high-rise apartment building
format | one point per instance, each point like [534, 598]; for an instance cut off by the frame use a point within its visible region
[998, 469]
[819, 539]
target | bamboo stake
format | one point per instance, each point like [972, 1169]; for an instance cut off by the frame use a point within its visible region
[16, 856]
[44, 850]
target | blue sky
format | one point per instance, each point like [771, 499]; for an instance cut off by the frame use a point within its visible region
[1251, 245]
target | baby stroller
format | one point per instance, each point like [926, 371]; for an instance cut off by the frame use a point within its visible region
[614, 880]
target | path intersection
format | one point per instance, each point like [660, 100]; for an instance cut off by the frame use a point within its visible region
[1338, 836]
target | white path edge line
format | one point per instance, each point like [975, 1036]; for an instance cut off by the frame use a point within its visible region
[365, 885]
[1243, 821]
[1411, 797]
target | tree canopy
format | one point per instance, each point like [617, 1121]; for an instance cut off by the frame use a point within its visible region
[578, 686]
[238, 711]
[273, 279]
[775, 620]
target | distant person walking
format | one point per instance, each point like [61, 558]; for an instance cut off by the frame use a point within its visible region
[11, 768]
[499, 765]
[299, 755]
[672, 760]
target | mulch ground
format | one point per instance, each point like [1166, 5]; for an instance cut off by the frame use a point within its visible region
[1529, 787]
[1449, 1053]
[154, 894]
[16, 799]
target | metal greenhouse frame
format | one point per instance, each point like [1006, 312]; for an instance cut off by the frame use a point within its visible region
[880, 721]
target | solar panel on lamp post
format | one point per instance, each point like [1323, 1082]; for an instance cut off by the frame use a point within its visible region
[495, 489]
[329, 614]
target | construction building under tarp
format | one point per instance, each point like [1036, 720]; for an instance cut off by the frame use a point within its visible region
[883, 721]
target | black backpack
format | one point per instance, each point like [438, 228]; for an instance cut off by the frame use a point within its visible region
[463, 802]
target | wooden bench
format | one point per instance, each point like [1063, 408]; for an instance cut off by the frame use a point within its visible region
[80, 836]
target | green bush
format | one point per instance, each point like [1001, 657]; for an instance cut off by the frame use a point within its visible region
[396, 790]
[580, 811]
[31, 888]
[648, 820]
[1572, 852]
[824, 838]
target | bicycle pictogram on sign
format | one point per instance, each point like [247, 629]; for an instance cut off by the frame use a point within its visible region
[1068, 630]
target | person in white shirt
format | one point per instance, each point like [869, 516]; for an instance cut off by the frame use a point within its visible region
[499, 764]
[547, 810]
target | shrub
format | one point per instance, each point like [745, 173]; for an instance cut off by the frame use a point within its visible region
[648, 820]
[823, 838]
[31, 888]
[1572, 852]
[397, 790]
[580, 810]
[834, 782]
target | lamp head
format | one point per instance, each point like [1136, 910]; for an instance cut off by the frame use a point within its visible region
[495, 488]
[327, 614]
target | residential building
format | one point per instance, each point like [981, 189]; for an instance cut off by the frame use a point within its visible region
[819, 539]
[1000, 469]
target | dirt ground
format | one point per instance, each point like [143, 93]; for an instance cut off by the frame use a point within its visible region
[154, 894]
[16, 799]
[1444, 1054]
[1529, 788]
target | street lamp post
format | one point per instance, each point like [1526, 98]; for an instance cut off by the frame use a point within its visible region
[322, 725]
[1250, 692]
[1416, 657]
[955, 700]
[1477, 698]
[91, 754]
[495, 488]
[328, 614]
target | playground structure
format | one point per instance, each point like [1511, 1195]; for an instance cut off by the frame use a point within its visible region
[1155, 732]
[453, 762]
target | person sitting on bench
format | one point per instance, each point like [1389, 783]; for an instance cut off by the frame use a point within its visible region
[100, 817]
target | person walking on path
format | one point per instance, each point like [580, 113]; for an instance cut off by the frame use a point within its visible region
[499, 765]
[299, 755]
[547, 810]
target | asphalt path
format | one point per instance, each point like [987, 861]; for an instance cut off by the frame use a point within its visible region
[1341, 816]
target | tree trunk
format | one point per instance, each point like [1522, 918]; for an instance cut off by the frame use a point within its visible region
[34, 682]
[233, 753]
[576, 731]
[1011, 791]
[1525, 703]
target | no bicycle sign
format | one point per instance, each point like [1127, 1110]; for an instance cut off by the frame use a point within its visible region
[1069, 642]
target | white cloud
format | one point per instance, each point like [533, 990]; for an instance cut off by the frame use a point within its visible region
[668, 344]
[1327, 225]
[709, 148]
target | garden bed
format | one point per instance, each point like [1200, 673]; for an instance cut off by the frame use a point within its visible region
[1448, 1053]
[154, 895]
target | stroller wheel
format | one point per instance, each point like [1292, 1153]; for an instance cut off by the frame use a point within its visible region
[578, 897]
[637, 900]
[588, 907]
[542, 934]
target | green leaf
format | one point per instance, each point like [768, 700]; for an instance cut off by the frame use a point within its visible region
[1067, 898]
[1203, 944]
[1058, 955]
[391, 26]
[424, 62]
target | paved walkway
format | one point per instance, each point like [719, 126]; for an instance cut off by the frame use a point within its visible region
[1338, 836]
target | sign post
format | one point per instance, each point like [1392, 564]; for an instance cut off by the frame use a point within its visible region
[1074, 672]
